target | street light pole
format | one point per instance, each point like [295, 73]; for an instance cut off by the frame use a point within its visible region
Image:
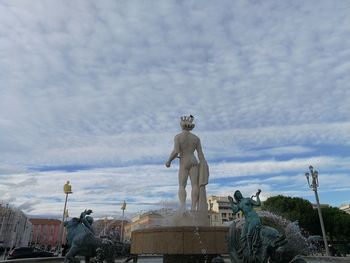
[105, 226]
[314, 184]
[67, 189]
[122, 232]
[66, 215]
[210, 213]
[3, 220]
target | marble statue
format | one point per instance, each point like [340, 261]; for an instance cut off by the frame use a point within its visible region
[254, 243]
[185, 144]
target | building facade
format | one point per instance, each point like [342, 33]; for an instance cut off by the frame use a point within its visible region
[146, 220]
[345, 208]
[220, 210]
[46, 233]
[15, 227]
[110, 227]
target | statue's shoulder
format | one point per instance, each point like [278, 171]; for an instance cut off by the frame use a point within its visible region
[195, 138]
[178, 136]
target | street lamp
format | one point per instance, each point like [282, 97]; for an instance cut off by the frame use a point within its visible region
[313, 186]
[67, 189]
[122, 232]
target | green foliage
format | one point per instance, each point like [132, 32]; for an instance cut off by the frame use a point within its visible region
[294, 209]
[337, 222]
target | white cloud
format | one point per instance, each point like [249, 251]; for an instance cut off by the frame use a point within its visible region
[102, 84]
[153, 186]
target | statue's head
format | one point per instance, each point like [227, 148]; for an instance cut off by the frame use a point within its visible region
[71, 223]
[238, 195]
[89, 219]
[186, 123]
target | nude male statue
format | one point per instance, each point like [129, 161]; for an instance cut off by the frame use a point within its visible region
[185, 144]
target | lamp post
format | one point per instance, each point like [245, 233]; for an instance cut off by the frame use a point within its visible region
[3, 221]
[66, 215]
[67, 189]
[122, 230]
[313, 186]
[105, 226]
[210, 212]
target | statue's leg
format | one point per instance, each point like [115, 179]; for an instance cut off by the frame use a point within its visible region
[249, 244]
[71, 254]
[183, 176]
[194, 177]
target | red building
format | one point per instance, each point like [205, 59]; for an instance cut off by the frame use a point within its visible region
[46, 232]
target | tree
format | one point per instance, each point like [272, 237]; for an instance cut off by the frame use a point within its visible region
[337, 222]
[294, 209]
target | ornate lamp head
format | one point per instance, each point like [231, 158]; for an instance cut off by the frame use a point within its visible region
[186, 123]
[67, 188]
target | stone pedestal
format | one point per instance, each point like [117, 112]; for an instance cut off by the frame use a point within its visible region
[318, 259]
[187, 218]
[187, 258]
[180, 244]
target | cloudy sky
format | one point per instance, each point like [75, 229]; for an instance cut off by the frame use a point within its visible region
[92, 92]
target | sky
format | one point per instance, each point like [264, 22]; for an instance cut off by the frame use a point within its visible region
[93, 91]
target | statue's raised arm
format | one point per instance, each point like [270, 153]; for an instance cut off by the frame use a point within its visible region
[257, 202]
[85, 213]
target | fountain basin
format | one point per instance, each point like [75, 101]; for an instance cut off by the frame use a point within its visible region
[315, 259]
[180, 240]
[36, 260]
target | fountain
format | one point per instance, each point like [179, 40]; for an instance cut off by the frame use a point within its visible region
[186, 235]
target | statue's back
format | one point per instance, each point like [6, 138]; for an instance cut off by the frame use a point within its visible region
[187, 142]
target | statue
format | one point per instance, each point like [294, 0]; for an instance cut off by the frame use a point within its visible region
[185, 144]
[252, 224]
[81, 238]
[255, 243]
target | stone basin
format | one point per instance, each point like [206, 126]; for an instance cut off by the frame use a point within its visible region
[35, 260]
[316, 259]
[180, 240]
